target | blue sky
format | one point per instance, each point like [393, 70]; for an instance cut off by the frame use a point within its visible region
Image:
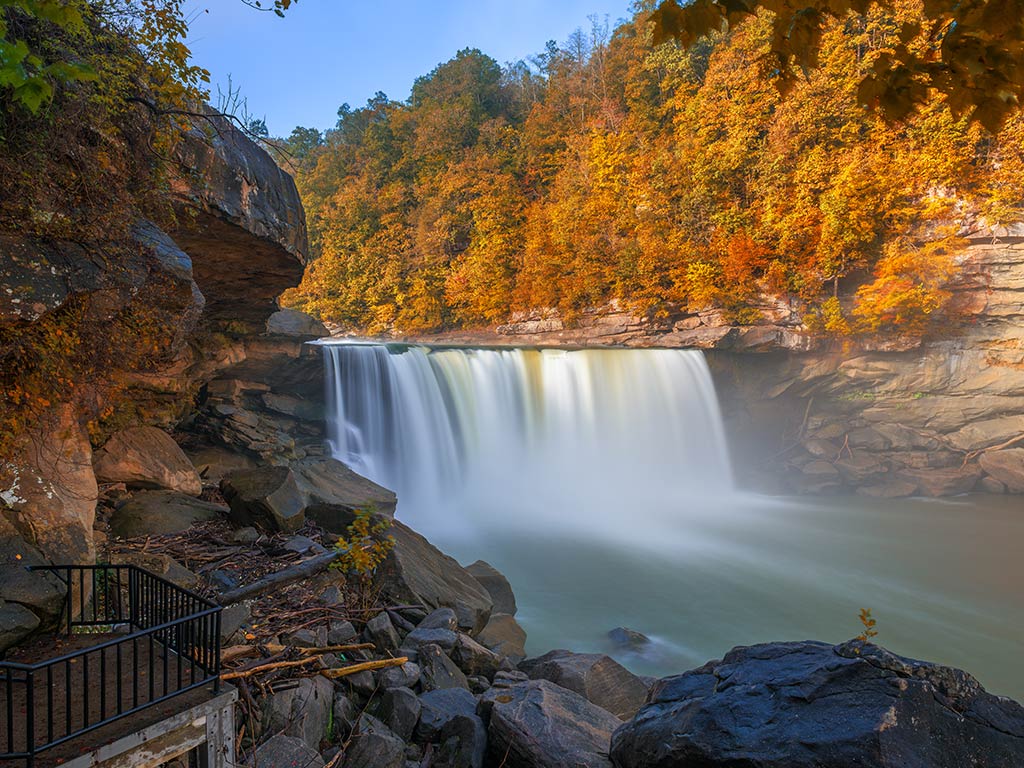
[300, 69]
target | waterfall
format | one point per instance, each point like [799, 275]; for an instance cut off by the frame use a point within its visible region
[559, 435]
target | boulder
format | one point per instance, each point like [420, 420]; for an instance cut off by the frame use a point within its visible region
[949, 481]
[541, 725]
[304, 711]
[333, 493]
[497, 586]
[807, 704]
[374, 746]
[1006, 466]
[346, 715]
[340, 632]
[405, 676]
[399, 710]
[628, 639]
[155, 513]
[48, 490]
[286, 752]
[161, 565]
[16, 623]
[437, 671]
[892, 489]
[445, 638]
[39, 591]
[415, 571]
[441, 706]
[598, 678]
[292, 322]
[212, 462]
[380, 631]
[268, 496]
[146, 457]
[462, 743]
[473, 658]
[442, 618]
[504, 636]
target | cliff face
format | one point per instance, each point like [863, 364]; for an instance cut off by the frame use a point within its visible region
[240, 240]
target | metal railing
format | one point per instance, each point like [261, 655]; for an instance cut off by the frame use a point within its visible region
[169, 644]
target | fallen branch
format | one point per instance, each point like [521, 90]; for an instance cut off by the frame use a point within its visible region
[267, 668]
[281, 578]
[274, 648]
[365, 666]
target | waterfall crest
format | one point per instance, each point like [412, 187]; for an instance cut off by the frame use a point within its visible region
[566, 434]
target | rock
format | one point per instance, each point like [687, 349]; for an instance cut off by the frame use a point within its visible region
[364, 683]
[504, 636]
[405, 676]
[991, 485]
[346, 714]
[247, 535]
[212, 462]
[497, 586]
[439, 707]
[398, 709]
[478, 683]
[301, 545]
[950, 481]
[437, 671]
[41, 592]
[307, 637]
[48, 490]
[988, 432]
[893, 489]
[417, 572]
[628, 638]
[445, 638]
[442, 618]
[303, 711]
[340, 632]
[473, 658]
[334, 493]
[598, 678]
[508, 678]
[291, 322]
[146, 457]
[807, 704]
[16, 623]
[233, 618]
[286, 752]
[1006, 466]
[374, 746]
[462, 743]
[541, 725]
[381, 633]
[267, 496]
[155, 513]
[161, 565]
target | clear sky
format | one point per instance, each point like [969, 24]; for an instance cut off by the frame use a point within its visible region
[298, 70]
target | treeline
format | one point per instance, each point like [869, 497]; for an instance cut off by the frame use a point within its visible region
[608, 168]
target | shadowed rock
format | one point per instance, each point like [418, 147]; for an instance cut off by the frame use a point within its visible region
[155, 513]
[599, 678]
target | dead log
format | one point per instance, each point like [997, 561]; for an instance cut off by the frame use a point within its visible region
[281, 578]
[365, 666]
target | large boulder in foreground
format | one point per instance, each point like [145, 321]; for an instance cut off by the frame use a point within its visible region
[157, 513]
[266, 496]
[541, 725]
[416, 571]
[146, 457]
[496, 584]
[598, 678]
[334, 493]
[810, 704]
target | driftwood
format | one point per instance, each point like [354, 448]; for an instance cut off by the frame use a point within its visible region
[281, 578]
[260, 668]
[365, 666]
[274, 648]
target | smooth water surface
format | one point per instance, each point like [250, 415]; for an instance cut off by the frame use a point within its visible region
[598, 482]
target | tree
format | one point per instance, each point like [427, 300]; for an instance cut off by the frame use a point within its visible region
[970, 52]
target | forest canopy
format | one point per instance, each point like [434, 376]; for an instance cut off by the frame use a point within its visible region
[668, 178]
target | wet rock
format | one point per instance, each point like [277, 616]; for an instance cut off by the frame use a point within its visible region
[441, 706]
[267, 496]
[462, 743]
[381, 633]
[286, 752]
[291, 322]
[417, 572]
[628, 638]
[374, 746]
[541, 725]
[399, 710]
[405, 676]
[473, 658]
[1006, 466]
[437, 671]
[333, 493]
[303, 711]
[598, 678]
[155, 513]
[146, 457]
[991, 485]
[442, 618]
[16, 623]
[497, 586]
[891, 489]
[504, 636]
[810, 704]
[949, 481]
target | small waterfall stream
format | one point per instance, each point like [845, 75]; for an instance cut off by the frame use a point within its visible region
[579, 436]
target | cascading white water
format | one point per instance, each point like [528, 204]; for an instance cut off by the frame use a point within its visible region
[563, 435]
